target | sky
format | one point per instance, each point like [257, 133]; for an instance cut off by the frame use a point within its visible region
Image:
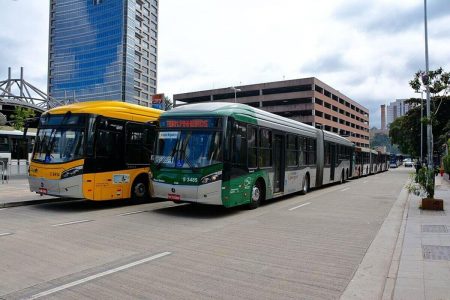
[368, 50]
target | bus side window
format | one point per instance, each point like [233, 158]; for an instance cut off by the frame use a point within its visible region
[265, 148]
[301, 152]
[252, 147]
[292, 148]
[239, 151]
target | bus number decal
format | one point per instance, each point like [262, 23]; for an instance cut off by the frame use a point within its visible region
[190, 179]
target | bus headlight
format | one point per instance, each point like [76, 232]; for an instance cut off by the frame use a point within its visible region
[72, 172]
[211, 178]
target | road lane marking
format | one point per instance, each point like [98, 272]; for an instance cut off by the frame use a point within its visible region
[365, 181]
[346, 189]
[70, 223]
[131, 213]
[5, 233]
[304, 204]
[95, 276]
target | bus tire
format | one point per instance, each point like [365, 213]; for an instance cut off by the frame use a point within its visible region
[139, 190]
[257, 195]
[342, 178]
[305, 185]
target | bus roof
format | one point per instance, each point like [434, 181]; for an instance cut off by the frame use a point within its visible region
[112, 109]
[246, 111]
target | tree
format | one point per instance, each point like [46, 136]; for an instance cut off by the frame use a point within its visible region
[20, 115]
[405, 131]
[168, 104]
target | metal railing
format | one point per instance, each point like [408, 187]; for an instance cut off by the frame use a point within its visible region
[3, 166]
[15, 167]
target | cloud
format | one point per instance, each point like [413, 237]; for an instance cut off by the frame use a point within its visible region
[368, 50]
[381, 17]
[24, 40]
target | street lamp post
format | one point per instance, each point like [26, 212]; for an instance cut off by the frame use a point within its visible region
[235, 92]
[421, 127]
[427, 85]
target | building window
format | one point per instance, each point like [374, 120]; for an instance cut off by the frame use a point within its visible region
[97, 2]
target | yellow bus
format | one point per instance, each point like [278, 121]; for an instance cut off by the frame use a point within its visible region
[97, 150]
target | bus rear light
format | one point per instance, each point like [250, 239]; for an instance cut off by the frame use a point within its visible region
[72, 172]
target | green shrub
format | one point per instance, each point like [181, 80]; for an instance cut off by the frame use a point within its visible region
[423, 185]
[446, 160]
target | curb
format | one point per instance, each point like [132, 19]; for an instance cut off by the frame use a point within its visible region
[391, 279]
[369, 279]
[33, 202]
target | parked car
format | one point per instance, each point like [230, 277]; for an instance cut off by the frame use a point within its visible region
[408, 163]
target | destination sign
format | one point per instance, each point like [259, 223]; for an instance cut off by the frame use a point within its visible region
[190, 123]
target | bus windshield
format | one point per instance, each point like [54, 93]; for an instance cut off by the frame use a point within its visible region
[56, 145]
[188, 149]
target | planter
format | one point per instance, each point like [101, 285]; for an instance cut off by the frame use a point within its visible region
[432, 204]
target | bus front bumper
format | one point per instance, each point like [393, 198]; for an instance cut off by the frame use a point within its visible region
[206, 193]
[70, 187]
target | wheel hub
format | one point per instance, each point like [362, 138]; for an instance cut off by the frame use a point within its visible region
[255, 193]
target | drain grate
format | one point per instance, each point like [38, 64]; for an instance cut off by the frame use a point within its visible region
[432, 213]
[434, 228]
[436, 252]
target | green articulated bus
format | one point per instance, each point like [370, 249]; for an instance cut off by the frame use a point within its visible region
[233, 154]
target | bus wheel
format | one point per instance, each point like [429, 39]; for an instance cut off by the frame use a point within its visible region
[139, 191]
[257, 195]
[342, 177]
[305, 186]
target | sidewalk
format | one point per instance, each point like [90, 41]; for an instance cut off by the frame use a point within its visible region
[424, 260]
[17, 193]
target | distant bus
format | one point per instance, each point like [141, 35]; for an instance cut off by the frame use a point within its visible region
[362, 162]
[395, 161]
[96, 150]
[13, 146]
[233, 154]
[15, 150]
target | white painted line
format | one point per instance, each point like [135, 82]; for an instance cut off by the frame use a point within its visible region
[131, 213]
[346, 189]
[92, 277]
[304, 204]
[70, 223]
[5, 233]
[365, 181]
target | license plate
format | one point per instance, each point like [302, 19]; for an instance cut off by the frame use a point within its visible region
[174, 197]
[43, 191]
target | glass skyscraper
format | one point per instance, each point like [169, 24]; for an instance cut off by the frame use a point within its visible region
[103, 50]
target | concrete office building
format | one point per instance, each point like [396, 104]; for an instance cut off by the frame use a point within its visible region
[397, 109]
[103, 49]
[307, 100]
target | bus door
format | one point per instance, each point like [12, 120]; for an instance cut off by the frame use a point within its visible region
[333, 160]
[139, 139]
[279, 163]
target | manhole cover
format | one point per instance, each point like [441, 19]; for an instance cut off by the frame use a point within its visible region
[432, 213]
[436, 252]
[434, 228]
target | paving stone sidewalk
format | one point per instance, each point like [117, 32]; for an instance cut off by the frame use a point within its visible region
[424, 261]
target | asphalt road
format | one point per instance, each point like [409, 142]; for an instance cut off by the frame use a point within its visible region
[298, 247]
